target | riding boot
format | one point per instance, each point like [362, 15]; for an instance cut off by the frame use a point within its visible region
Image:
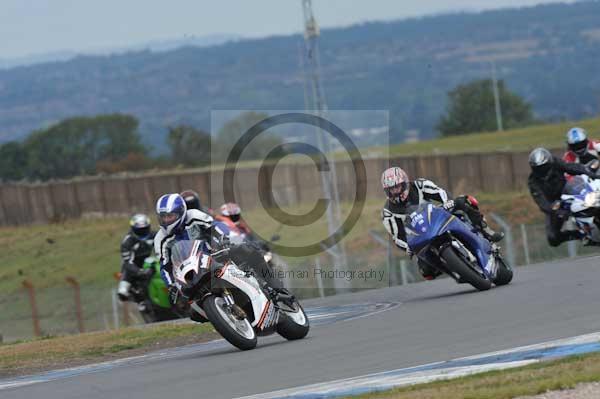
[490, 234]
[493, 236]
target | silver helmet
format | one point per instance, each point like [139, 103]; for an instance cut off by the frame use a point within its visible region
[540, 160]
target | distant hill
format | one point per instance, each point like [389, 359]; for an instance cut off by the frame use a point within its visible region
[550, 54]
[156, 45]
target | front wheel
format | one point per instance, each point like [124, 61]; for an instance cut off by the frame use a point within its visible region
[459, 266]
[504, 274]
[237, 331]
[293, 324]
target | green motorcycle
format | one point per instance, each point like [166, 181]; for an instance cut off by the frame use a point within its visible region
[153, 295]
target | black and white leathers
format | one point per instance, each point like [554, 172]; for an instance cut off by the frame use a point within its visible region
[197, 226]
[394, 214]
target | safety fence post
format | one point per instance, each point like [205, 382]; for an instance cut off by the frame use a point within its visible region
[572, 248]
[124, 306]
[78, 310]
[126, 316]
[525, 244]
[115, 308]
[318, 277]
[37, 331]
[387, 243]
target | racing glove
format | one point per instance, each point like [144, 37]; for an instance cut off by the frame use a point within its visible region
[173, 294]
[404, 245]
[448, 205]
[563, 214]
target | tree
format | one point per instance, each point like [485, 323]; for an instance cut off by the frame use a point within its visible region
[233, 130]
[471, 109]
[76, 146]
[12, 161]
[189, 146]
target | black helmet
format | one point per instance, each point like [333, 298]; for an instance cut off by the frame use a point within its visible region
[540, 161]
[192, 199]
[140, 225]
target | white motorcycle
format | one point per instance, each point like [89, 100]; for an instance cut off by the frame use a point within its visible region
[582, 198]
[232, 298]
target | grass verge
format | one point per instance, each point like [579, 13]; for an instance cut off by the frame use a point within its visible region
[529, 380]
[24, 357]
[549, 136]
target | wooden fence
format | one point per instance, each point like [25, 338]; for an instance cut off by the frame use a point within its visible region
[291, 184]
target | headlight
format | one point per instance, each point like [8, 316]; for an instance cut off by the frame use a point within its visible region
[592, 199]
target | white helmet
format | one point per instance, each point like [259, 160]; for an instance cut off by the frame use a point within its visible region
[171, 210]
[395, 184]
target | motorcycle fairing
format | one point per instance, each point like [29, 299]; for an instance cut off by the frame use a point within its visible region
[265, 313]
[429, 222]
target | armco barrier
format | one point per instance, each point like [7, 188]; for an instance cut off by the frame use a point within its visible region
[25, 203]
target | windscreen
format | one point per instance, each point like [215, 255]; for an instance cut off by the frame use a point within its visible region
[181, 251]
[576, 186]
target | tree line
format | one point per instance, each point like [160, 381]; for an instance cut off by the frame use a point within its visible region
[112, 143]
[106, 144]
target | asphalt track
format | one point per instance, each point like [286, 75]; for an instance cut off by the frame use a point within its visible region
[433, 321]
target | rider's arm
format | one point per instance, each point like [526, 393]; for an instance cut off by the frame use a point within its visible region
[574, 169]
[127, 253]
[395, 226]
[197, 217]
[160, 247]
[538, 195]
[431, 191]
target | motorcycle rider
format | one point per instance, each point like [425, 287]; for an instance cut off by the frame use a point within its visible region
[192, 201]
[402, 193]
[178, 223]
[231, 214]
[579, 148]
[546, 184]
[136, 246]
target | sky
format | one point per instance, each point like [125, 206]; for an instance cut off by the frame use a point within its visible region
[30, 27]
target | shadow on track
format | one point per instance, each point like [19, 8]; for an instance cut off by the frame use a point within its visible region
[231, 350]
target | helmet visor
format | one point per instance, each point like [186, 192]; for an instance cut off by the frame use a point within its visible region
[579, 148]
[167, 218]
[397, 192]
[141, 231]
[542, 170]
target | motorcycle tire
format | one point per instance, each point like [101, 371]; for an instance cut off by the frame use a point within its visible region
[504, 274]
[457, 265]
[293, 326]
[224, 324]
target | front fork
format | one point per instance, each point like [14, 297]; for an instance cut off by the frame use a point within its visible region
[235, 309]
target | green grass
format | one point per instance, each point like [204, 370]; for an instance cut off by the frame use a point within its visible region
[38, 354]
[529, 380]
[549, 136]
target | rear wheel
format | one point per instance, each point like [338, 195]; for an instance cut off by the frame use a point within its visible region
[458, 265]
[293, 324]
[504, 274]
[237, 331]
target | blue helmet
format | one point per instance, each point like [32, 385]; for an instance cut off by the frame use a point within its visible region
[577, 140]
[171, 210]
